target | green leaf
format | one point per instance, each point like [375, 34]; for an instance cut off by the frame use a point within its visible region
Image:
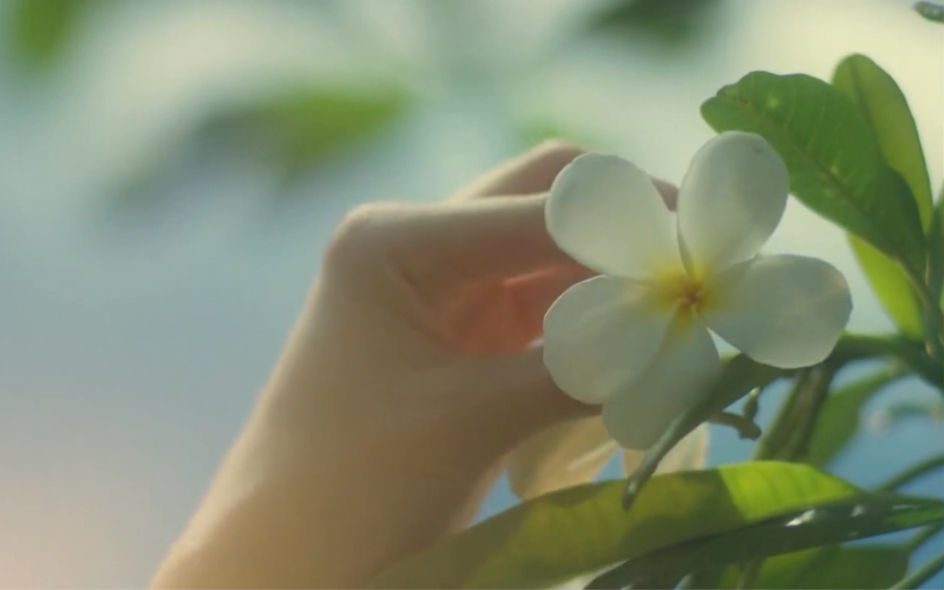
[864, 516]
[836, 567]
[936, 251]
[673, 23]
[885, 108]
[836, 167]
[840, 416]
[891, 285]
[854, 347]
[296, 129]
[40, 29]
[561, 535]
[290, 132]
[929, 10]
[887, 417]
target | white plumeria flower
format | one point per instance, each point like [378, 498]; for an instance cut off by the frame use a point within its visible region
[635, 339]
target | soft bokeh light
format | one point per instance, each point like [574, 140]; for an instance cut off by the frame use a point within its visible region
[133, 343]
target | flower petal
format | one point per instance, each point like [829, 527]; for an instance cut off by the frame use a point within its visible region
[606, 214]
[689, 453]
[786, 311]
[731, 200]
[601, 335]
[687, 361]
[561, 456]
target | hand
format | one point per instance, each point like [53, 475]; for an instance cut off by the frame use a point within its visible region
[410, 375]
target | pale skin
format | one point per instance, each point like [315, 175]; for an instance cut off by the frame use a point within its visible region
[410, 375]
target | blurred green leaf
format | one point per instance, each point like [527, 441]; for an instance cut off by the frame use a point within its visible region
[891, 286]
[673, 22]
[931, 11]
[561, 535]
[835, 567]
[885, 108]
[290, 133]
[887, 417]
[864, 516]
[911, 353]
[40, 29]
[295, 130]
[936, 251]
[836, 166]
[840, 416]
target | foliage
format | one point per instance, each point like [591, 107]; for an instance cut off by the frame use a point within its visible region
[582, 529]
[929, 10]
[861, 517]
[39, 30]
[839, 418]
[290, 132]
[834, 566]
[672, 22]
[884, 107]
[836, 166]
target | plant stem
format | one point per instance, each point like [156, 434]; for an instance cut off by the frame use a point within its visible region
[913, 472]
[789, 436]
[933, 319]
[749, 573]
[853, 347]
[769, 445]
[751, 404]
[924, 535]
[816, 392]
[921, 575]
[745, 427]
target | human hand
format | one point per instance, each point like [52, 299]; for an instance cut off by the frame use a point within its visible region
[410, 375]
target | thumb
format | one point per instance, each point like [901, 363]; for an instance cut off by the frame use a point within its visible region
[515, 397]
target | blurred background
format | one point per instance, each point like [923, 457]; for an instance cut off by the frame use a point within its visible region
[170, 173]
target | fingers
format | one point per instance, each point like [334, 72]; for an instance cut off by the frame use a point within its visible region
[443, 243]
[494, 238]
[529, 173]
[516, 397]
[531, 295]
[468, 238]
[535, 170]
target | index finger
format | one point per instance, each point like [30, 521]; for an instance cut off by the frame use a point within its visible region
[529, 173]
[534, 172]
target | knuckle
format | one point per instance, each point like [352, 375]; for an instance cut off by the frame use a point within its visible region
[559, 151]
[362, 237]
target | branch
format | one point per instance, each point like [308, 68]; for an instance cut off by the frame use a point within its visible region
[913, 472]
[745, 427]
[854, 347]
[921, 575]
[924, 535]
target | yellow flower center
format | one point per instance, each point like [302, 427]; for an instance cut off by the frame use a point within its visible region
[681, 292]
